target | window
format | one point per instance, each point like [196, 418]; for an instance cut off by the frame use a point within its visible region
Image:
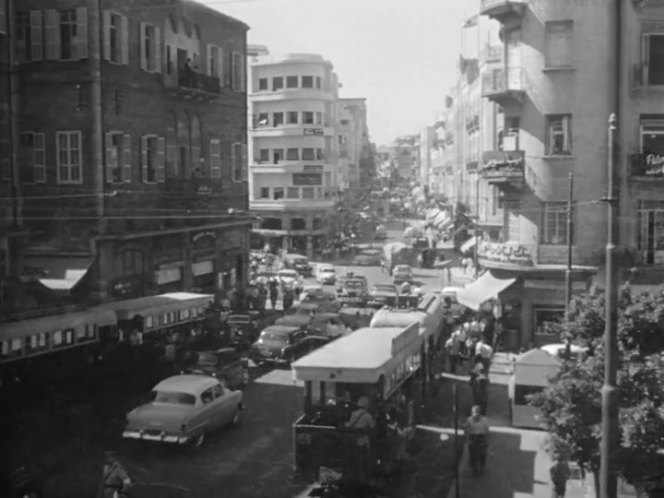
[293, 193]
[3, 17]
[263, 119]
[318, 82]
[116, 33]
[307, 154]
[239, 161]
[319, 118]
[153, 160]
[278, 119]
[292, 117]
[307, 81]
[32, 157]
[559, 134]
[307, 117]
[554, 223]
[215, 158]
[237, 72]
[277, 155]
[66, 34]
[278, 193]
[558, 44]
[150, 48]
[307, 192]
[262, 84]
[29, 36]
[291, 81]
[265, 193]
[69, 156]
[292, 154]
[264, 155]
[277, 83]
[654, 58]
[215, 65]
[344, 122]
[320, 155]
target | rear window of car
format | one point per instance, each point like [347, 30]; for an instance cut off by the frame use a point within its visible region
[206, 359]
[274, 337]
[173, 398]
[328, 270]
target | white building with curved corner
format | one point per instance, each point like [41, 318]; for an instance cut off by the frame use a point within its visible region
[293, 154]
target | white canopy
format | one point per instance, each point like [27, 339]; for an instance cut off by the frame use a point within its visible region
[484, 288]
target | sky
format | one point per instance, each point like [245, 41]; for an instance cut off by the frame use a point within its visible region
[401, 55]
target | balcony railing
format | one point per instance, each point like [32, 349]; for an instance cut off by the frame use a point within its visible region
[199, 82]
[504, 84]
[648, 166]
[503, 10]
[504, 168]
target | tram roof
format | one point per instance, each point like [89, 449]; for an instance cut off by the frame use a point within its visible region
[359, 357]
[163, 303]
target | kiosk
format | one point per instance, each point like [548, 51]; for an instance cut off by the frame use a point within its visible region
[531, 374]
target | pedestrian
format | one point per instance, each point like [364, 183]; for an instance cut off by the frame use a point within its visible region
[479, 382]
[115, 479]
[477, 430]
[453, 349]
[560, 473]
[484, 352]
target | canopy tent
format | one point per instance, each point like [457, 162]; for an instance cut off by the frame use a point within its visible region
[484, 288]
[469, 244]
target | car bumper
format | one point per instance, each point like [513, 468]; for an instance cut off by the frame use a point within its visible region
[159, 438]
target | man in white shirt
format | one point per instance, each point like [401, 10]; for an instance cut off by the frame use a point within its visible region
[486, 352]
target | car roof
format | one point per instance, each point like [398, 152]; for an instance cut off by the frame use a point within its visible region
[280, 329]
[186, 383]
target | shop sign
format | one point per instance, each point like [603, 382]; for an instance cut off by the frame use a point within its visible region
[314, 131]
[307, 179]
[512, 254]
[312, 168]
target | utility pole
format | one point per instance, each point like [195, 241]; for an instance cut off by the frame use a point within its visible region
[610, 426]
[568, 271]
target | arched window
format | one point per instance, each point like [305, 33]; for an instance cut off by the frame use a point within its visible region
[197, 161]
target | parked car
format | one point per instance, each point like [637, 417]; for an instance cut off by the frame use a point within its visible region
[184, 408]
[299, 263]
[288, 277]
[242, 329]
[326, 274]
[352, 289]
[281, 344]
[302, 314]
[225, 364]
[325, 298]
[383, 295]
[402, 273]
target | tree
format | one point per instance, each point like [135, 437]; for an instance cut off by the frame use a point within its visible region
[571, 404]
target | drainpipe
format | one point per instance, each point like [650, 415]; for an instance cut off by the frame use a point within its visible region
[12, 111]
[96, 129]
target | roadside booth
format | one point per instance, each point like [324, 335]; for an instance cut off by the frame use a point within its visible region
[380, 365]
[531, 373]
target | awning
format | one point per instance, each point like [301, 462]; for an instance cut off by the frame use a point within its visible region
[469, 244]
[60, 273]
[484, 288]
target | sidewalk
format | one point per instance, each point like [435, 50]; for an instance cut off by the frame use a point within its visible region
[517, 467]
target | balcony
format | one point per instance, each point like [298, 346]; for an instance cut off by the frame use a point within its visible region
[647, 166]
[493, 53]
[504, 86]
[504, 168]
[503, 11]
[198, 86]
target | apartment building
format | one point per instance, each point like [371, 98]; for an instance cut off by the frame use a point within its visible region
[294, 177]
[130, 150]
[555, 95]
[404, 155]
[353, 136]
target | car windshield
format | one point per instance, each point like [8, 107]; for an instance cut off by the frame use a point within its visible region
[206, 359]
[274, 337]
[384, 288]
[173, 398]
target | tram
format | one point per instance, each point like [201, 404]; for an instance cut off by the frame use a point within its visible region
[381, 366]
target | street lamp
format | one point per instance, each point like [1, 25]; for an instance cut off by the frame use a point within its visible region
[610, 426]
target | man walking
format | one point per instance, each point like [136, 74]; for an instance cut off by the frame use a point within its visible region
[560, 473]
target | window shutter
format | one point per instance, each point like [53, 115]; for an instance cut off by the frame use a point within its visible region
[141, 45]
[3, 17]
[170, 158]
[126, 158]
[110, 164]
[215, 159]
[196, 159]
[160, 173]
[220, 66]
[233, 159]
[144, 159]
[36, 47]
[124, 40]
[157, 50]
[244, 163]
[568, 133]
[107, 35]
[82, 32]
[208, 59]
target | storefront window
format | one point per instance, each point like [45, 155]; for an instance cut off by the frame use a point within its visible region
[652, 146]
[544, 319]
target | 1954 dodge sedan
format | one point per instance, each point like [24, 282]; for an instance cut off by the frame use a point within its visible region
[183, 409]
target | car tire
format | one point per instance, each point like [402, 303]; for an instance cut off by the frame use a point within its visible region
[237, 417]
[200, 439]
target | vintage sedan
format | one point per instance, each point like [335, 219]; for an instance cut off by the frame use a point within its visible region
[243, 329]
[225, 363]
[383, 295]
[402, 274]
[184, 409]
[277, 344]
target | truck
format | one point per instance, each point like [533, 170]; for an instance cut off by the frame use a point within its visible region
[397, 253]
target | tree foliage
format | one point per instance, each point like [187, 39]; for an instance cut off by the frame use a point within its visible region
[571, 404]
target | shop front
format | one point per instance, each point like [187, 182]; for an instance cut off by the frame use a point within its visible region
[204, 261]
[526, 296]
